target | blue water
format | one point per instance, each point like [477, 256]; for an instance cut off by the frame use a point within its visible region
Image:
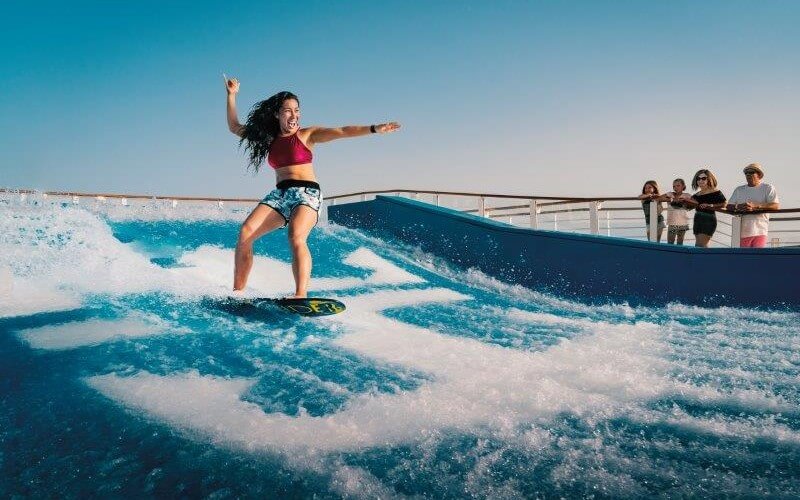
[117, 378]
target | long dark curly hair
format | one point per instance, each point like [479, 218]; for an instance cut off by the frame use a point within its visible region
[262, 127]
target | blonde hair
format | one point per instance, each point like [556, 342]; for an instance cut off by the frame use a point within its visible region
[711, 182]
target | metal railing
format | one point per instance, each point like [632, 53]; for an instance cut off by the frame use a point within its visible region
[609, 216]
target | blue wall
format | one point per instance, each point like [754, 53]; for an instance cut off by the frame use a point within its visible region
[595, 269]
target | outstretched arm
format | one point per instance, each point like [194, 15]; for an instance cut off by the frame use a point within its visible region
[323, 134]
[232, 86]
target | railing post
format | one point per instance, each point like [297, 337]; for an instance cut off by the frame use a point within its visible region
[437, 199]
[482, 206]
[608, 223]
[555, 222]
[736, 231]
[776, 242]
[653, 229]
[364, 197]
[414, 196]
[534, 215]
[594, 220]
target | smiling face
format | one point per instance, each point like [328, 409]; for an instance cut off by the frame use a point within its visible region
[678, 187]
[289, 116]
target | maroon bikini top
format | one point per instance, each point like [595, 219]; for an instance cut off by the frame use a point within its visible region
[287, 151]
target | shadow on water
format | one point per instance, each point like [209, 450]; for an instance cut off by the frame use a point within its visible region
[46, 319]
[263, 311]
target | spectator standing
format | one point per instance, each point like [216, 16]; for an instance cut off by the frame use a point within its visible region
[755, 195]
[650, 194]
[706, 200]
[677, 212]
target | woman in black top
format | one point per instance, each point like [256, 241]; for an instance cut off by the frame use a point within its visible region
[706, 199]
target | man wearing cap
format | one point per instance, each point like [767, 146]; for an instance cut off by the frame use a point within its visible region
[755, 195]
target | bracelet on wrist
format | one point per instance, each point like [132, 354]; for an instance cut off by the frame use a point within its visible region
[372, 129]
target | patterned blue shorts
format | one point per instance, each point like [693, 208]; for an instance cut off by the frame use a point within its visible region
[289, 195]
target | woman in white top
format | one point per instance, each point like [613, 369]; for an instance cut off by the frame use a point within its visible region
[677, 212]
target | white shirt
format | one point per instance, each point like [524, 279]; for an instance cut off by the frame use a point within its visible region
[756, 224]
[678, 216]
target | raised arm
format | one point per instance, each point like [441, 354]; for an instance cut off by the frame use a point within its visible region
[232, 86]
[323, 134]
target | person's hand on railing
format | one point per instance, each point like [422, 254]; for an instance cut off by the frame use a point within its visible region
[746, 208]
[738, 207]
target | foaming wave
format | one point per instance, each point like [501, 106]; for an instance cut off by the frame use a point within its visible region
[384, 272]
[475, 384]
[355, 482]
[766, 428]
[271, 277]
[70, 249]
[94, 332]
[23, 297]
[417, 258]
[731, 313]
[54, 255]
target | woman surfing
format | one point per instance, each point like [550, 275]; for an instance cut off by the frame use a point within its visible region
[272, 133]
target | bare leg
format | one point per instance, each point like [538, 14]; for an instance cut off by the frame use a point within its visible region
[660, 232]
[670, 237]
[681, 234]
[300, 224]
[701, 240]
[261, 220]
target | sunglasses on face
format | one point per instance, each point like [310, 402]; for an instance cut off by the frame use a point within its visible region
[702, 178]
[750, 172]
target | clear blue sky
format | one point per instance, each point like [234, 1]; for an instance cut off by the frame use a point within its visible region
[521, 97]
